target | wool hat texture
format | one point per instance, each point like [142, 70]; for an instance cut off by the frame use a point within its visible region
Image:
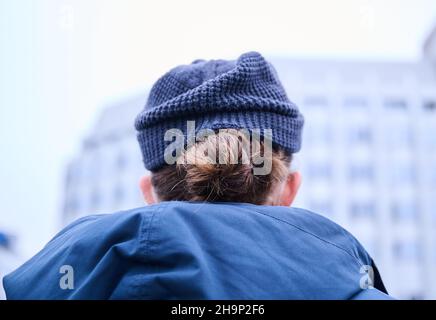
[218, 94]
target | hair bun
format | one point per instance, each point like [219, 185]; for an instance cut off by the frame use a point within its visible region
[221, 167]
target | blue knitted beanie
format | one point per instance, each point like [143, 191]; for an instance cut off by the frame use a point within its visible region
[218, 94]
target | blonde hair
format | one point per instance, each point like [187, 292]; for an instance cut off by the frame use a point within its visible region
[220, 168]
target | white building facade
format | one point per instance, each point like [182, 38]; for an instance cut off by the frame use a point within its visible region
[368, 159]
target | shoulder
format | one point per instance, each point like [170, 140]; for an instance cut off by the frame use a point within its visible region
[88, 245]
[170, 220]
[318, 227]
[108, 225]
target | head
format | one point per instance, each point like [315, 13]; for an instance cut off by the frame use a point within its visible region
[221, 167]
[230, 101]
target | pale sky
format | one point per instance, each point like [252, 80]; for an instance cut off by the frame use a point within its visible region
[61, 61]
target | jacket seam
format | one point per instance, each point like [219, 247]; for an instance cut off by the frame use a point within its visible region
[316, 236]
[147, 231]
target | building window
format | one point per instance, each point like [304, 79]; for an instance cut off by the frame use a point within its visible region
[359, 135]
[430, 105]
[399, 136]
[403, 174]
[315, 101]
[404, 211]
[355, 102]
[395, 104]
[361, 209]
[407, 251]
[92, 167]
[319, 171]
[361, 173]
[322, 135]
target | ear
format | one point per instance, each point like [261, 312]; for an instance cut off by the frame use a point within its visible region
[290, 189]
[147, 189]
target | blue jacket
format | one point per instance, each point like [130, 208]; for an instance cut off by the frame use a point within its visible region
[188, 250]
